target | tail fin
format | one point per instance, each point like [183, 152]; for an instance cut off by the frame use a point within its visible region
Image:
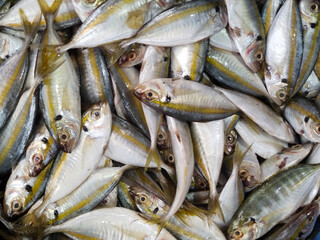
[214, 207]
[153, 152]
[30, 28]
[49, 13]
[52, 63]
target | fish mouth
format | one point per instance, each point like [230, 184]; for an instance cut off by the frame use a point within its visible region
[36, 170]
[68, 146]
[138, 93]
[122, 60]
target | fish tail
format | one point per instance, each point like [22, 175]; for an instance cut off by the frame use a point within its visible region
[239, 156]
[215, 208]
[153, 154]
[30, 28]
[54, 62]
[171, 172]
[161, 223]
[49, 13]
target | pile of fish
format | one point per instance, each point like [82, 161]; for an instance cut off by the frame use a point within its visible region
[159, 119]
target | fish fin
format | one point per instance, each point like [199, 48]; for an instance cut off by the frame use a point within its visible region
[171, 171]
[190, 210]
[161, 223]
[153, 154]
[53, 62]
[239, 156]
[49, 12]
[215, 208]
[127, 42]
[252, 124]
[30, 28]
[113, 52]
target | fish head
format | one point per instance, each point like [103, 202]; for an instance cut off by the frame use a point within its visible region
[157, 90]
[278, 94]
[97, 121]
[242, 228]
[253, 55]
[35, 157]
[14, 201]
[141, 198]
[84, 8]
[132, 56]
[230, 143]
[220, 15]
[312, 130]
[311, 214]
[67, 131]
[309, 10]
[163, 141]
[48, 215]
[250, 175]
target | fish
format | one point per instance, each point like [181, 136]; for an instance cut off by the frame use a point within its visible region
[261, 143]
[41, 151]
[299, 225]
[59, 99]
[304, 117]
[66, 16]
[184, 24]
[285, 159]
[111, 16]
[126, 140]
[111, 222]
[286, 191]
[14, 71]
[229, 69]
[155, 64]
[208, 143]
[262, 115]
[310, 17]
[94, 77]
[75, 167]
[284, 53]
[22, 191]
[246, 29]
[185, 100]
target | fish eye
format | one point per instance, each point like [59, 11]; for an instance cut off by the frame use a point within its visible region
[64, 136]
[202, 185]
[237, 234]
[16, 205]
[314, 7]
[143, 198]
[230, 138]
[171, 158]
[132, 56]
[282, 95]
[160, 136]
[95, 114]
[309, 218]
[317, 128]
[150, 95]
[259, 56]
[37, 159]
[243, 173]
